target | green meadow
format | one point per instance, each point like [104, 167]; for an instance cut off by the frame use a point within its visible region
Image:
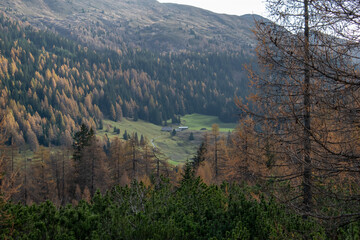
[198, 121]
[178, 149]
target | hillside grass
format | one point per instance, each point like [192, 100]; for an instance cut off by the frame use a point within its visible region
[147, 129]
[198, 121]
[178, 149]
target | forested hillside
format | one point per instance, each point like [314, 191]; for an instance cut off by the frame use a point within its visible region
[50, 85]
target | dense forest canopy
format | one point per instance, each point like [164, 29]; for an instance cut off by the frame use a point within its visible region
[50, 85]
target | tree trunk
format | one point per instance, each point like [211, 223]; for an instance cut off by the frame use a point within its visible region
[92, 173]
[307, 117]
[63, 181]
[133, 159]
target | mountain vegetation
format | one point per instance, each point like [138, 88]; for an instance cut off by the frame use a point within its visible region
[290, 169]
[145, 24]
[192, 210]
[51, 85]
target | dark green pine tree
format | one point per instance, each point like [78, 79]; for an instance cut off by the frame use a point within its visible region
[189, 173]
[136, 138]
[200, 156]
[142, 140]
[191, 137]
[82, 139]
[126, 135]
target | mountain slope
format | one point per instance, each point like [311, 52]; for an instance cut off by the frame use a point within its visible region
[143, 60]
[49, 85]
[137, 23]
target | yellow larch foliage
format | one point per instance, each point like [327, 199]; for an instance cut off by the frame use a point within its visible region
[31, 57]
[13, 68]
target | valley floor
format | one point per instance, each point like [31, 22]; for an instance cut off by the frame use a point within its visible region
[178, 149]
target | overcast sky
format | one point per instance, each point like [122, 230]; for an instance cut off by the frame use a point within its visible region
[234, 7]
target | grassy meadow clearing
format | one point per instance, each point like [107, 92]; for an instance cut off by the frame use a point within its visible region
[178, 149]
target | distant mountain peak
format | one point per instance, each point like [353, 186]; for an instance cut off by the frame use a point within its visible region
[137, 23]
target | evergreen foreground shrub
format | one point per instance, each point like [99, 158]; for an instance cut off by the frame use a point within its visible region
[193, 210]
